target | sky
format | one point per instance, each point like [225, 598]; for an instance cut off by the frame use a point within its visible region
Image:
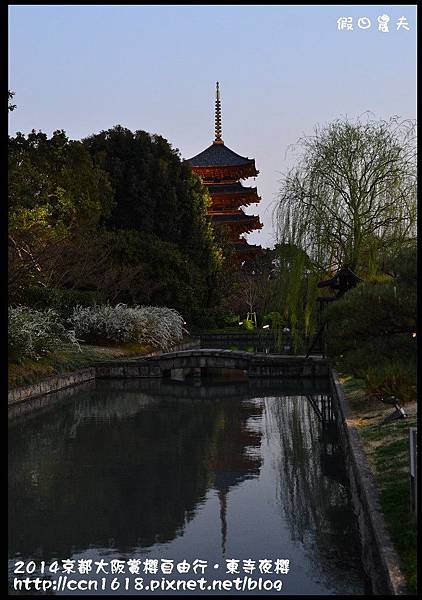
[282, 71]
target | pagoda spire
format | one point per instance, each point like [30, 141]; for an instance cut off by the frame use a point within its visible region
[217, 139]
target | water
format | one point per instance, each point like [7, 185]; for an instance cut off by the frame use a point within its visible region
[148, 469]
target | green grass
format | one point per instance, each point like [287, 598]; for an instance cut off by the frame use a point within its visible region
[391, 464]
[68, 359]
[387, 449]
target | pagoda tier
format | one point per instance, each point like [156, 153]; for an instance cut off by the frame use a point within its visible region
[221, 170]
[218, 163]
[241, 250]
[237, 223]
[228, 196]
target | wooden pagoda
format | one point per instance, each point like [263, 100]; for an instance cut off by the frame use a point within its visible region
[221, 170]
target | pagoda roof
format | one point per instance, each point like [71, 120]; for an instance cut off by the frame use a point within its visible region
[242, 246]
[233, 217]
[243, 243]
[229, 188]
[218, 155]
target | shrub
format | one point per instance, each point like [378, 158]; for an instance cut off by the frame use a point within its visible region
[225, 318]
[205, 318]
[35, 333]
[156, 326]
[248, 325]
[396, 379]
[379, 352]
[274, 319]
[373, 324]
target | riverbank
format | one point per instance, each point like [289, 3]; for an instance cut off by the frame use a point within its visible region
[66, 367]
[387, 448]
[386, 445]
[67, 360]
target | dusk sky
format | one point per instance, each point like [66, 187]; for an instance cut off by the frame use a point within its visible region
[282, 70]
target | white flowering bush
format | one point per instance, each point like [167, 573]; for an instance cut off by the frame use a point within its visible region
[35, 333]
[156, 326]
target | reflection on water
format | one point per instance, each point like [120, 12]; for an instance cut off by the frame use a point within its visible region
[311, 482]
[136, 469]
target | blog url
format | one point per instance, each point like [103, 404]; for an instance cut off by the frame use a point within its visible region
[138, 584]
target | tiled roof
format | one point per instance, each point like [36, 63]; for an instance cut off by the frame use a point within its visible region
[229, 188]
[218, 155]
[243, 246]
[233, 217]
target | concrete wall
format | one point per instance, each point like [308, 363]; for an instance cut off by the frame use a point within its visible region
[58, 382]
[50, 384]
[197, 362]
[379, 555]
[177, 363]
[47, 401]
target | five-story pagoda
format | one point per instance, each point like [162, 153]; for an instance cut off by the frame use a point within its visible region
[221, 170]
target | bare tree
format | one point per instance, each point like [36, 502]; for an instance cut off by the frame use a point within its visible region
[251, 291]
[39, 256]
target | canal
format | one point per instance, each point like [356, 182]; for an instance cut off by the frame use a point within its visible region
[151, 471]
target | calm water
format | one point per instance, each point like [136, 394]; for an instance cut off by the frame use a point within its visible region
[148, 469]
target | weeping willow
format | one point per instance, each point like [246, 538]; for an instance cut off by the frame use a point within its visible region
[296, 294]
[351, 200]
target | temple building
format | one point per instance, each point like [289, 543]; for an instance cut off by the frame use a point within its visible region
[221, 170]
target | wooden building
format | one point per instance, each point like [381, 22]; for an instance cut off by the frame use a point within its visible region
[222, 170]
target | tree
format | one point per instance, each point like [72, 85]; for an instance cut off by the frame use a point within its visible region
[353, 193]
[119, 214]
[295, 291]
[350, 200]
[10, 106]
[57, 198]
[146, 270]
[373, 324]
[250, 288]
[155, 192]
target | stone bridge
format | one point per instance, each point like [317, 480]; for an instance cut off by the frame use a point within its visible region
[203, 362]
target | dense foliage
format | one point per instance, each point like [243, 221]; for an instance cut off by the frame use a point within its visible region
[118, 215]
[154, 191]
[295, 292]
[352, 194]
[155, 326]
[143, 269]
[61, 300]
[350, 200]
[57, 199]
[35, 333]
[372, 329]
